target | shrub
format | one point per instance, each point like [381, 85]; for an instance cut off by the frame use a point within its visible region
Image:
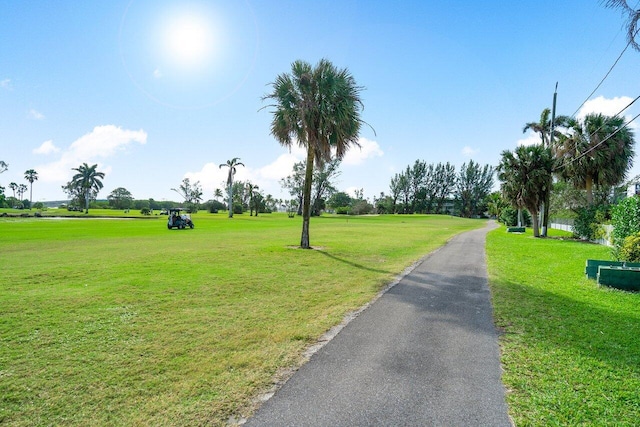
[343, 210]
[509, 217]
[588, 222]
[145, 211]
[625, 218]
[630, 250]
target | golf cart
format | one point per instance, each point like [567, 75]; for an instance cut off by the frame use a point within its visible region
[178, 220]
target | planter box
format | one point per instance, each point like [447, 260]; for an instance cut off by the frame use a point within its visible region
[591, 267]
[625, 278]
[515, 229]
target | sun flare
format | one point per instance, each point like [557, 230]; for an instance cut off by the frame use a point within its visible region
[189, 40]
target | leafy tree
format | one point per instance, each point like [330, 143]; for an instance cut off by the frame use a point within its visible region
[3, 166]
[217, 194]
[295, 184]
[472, 187]
[525, 174]
[232, 165]
[191, 193]
[86, 182]
[395, 187]
[31, 175]
[632, 19]
[595, 151]
[339, 199]
[496, 204]
[445, 182]
[324, 175]
[417, 180]
[319, 109]
[120, 198]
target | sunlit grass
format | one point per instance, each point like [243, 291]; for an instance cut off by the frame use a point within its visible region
[570, 350]
[123, 322]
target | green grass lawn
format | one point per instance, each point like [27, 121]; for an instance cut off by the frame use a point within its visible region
[570, 350]
[123, 322]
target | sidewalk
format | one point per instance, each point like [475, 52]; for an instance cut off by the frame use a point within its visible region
[424, 354]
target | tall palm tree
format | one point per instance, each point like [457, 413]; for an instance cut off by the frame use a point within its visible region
[31, 175]
[319, 109]
[217, 194]
[3, 166]
[252, 189]
[13, 186]
[596, 151]
[231, 164]
[89, 180]
[525, 176]
[544, 128]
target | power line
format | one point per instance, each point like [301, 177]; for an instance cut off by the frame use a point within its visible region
[606, 75]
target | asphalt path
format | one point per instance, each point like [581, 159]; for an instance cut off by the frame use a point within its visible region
[424, 354]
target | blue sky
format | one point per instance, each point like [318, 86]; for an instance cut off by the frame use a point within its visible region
[158, 90]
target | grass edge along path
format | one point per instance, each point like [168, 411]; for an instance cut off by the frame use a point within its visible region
[570, 350]
[127, 323]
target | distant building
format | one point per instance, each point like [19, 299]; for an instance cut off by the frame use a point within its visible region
[633, 189]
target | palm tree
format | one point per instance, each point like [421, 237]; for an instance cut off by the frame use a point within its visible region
[3, 166]
[252, 189]
[31, 175]
[21, 190]
[89, 180]
[231, 164]
[597, 151]
[525, 175]
[217, 194]
[13, 186]
[632, 21]
[319, 109]
[544, 128]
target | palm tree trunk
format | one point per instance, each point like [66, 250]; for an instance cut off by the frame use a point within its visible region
[30, 196]
[306, 202]
[534, 219]
[231, 200]
[588, 185]
[520, 217]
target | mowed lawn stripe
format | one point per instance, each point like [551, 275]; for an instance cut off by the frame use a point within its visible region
[123, 322]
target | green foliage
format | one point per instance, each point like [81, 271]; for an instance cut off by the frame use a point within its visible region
[509, 217]
[361, 207]
[145, 211]
[630, 250]
[588, 222]
[625, 218]
[343, 210]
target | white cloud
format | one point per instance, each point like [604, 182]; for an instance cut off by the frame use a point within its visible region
[36, 115]
[47, 147]
[368, 149]
[468, 151]
[101, 143]
[5, 84]
[609, 107]
[531, 138]
[157, 73]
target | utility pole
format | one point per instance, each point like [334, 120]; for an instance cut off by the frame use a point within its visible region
[545, 204]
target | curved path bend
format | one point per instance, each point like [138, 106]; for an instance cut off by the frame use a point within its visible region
[424, 354]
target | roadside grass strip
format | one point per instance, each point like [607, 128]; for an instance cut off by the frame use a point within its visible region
[570, 349]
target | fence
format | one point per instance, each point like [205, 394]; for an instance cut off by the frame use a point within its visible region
[567, 225]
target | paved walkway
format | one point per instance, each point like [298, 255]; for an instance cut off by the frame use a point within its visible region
[424, 354]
